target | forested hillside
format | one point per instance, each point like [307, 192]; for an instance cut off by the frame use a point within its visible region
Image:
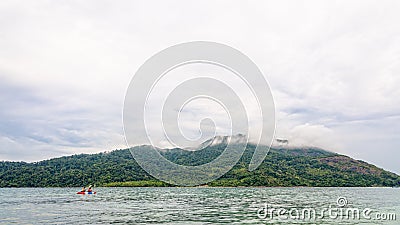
[282, 167]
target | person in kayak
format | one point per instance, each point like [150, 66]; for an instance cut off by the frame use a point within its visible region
[83, 189]
[90, 188]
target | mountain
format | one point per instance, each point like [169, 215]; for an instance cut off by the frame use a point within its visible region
[223, 140]
[283, 166]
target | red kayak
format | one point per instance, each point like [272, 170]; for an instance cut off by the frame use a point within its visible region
[82, 193]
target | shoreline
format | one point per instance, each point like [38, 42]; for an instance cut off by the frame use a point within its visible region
[244, 187]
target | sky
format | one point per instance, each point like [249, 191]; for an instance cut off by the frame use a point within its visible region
[333, 69]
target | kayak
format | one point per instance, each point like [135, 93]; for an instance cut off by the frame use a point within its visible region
[82, 193]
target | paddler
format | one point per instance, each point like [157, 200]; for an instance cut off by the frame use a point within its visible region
[83, 189]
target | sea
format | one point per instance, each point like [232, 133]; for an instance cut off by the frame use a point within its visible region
[201, 205]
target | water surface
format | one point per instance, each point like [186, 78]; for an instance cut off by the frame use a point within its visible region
[190, 205]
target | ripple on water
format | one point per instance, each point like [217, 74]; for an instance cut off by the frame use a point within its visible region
[180, 205]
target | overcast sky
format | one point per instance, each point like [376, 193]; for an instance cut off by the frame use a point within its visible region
[333, 68]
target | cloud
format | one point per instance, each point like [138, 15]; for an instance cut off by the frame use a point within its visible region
[64, 68]
[34, 127]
